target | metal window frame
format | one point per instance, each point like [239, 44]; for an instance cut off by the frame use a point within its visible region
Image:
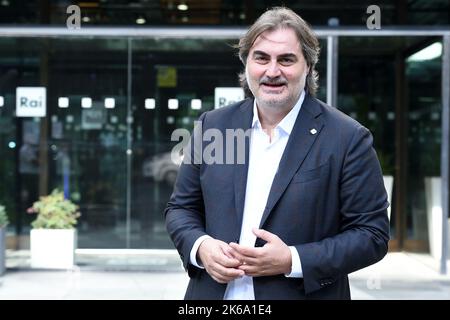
[332, 69]
[205, 32]
[445, 149]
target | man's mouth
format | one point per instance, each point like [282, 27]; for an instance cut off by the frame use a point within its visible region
[275, 85]
[269, 85]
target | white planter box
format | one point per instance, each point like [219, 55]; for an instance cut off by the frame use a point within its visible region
[434, 216]
[53, 248]
[388, 183]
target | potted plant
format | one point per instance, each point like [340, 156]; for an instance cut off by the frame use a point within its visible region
[3, 222]
[53, 238]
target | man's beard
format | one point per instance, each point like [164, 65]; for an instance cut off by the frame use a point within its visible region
[275, 102]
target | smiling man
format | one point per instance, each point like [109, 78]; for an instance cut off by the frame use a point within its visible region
[307, 207]
[276, 71]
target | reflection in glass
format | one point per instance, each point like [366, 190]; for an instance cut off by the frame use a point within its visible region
[423, 70]
[366, 93]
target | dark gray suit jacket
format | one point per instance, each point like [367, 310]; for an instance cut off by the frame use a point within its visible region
[327, 199]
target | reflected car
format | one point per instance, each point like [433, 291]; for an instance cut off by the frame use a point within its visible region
[162, 168]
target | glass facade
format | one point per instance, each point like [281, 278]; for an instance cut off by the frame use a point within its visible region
[114, 101]
[83, 144]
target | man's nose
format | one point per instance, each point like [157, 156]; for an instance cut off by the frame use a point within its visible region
[273, 69]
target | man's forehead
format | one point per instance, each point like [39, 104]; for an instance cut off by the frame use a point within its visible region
[281, 37]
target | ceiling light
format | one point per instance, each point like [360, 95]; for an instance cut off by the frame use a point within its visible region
[182, 7]
[431, 52]
[173, 104]
[140, 20]
[110, 103]
[196, 104]
[63, 102]
[86, 102]
[150, 103]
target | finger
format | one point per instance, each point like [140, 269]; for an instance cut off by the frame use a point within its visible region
[227, 274]
[229, 252]
[226, 271]
[265, 235]
[226, 261]
[252, 271]
[245, 251]
[221, 279]
[250, 261]
[224, 256]
[237, 255]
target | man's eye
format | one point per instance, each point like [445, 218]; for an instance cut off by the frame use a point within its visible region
[286, 61]
[261, 59]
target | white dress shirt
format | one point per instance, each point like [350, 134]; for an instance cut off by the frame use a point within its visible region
[264, 157]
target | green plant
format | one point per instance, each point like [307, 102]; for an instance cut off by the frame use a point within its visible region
[54, 212]
[3, 217]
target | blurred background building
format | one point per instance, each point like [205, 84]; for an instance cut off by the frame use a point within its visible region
[136, 70]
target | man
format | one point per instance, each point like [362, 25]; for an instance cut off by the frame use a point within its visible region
[308, 205]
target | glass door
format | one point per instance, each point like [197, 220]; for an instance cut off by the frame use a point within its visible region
[87, 102]
[423, 65]
[173, 84]
[393, 89]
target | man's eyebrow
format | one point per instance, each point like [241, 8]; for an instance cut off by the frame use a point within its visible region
[258, 52]
[284, 55]
[288, 55]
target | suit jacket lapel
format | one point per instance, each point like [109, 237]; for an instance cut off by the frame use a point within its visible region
[242, 120]
[297, 148]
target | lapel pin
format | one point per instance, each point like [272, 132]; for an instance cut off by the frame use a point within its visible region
[313, 131]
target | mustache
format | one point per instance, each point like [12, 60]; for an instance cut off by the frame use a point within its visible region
[273, 81]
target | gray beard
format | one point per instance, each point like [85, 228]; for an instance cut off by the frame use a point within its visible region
[285, 104]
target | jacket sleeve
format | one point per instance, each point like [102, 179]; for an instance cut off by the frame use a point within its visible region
[364, 226]
[184, 214]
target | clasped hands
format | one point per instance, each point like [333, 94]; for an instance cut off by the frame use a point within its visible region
[226, 262]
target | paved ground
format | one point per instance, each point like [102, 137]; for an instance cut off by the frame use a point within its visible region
[401, 276]
[159, 276]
